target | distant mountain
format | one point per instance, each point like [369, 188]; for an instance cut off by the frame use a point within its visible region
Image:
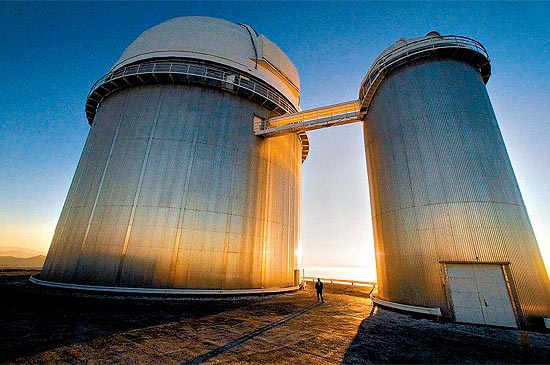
[10, 262]
[19, 252]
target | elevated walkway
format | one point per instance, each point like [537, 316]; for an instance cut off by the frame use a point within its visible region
[323, 117]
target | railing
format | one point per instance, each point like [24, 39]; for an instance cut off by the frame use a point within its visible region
[183, 71]
[413, 50]
[371, 284]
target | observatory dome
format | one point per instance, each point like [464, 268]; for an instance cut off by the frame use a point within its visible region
[237, 46]
[175, 193]
[432, 45]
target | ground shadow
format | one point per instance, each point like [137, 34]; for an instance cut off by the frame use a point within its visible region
[246, 337]
[390, 337]
[36, 319]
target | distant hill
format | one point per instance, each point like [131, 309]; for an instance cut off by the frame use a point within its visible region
[10, 262]
[19, 252]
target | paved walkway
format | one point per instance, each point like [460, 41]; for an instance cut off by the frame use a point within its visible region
[290, 328]
[295, 329]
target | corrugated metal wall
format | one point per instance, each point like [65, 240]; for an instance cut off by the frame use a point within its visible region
[173, 190]
[442, 187]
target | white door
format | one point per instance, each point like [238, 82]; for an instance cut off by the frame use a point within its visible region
[479, 294]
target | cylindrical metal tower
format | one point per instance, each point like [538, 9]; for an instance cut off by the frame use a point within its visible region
[451, 229]
[173, 190]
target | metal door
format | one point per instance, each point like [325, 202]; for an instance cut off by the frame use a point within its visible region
[479, 294]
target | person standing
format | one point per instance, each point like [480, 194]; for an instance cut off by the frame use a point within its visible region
[319, 288]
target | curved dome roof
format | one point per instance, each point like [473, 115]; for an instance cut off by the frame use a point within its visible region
[220, 41]
[433, 44]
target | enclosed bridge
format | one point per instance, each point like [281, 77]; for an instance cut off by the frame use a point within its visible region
[190, 179]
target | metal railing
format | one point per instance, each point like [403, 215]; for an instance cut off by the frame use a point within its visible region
[371, 284]
[421, 48]
[183, 72]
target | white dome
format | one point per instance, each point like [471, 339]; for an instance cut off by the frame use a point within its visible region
[220, 41]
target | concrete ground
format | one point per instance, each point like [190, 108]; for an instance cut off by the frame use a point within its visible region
[43, 326]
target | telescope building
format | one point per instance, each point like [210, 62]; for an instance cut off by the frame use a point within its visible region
[190, 180]
[451, 229]
[173, 190]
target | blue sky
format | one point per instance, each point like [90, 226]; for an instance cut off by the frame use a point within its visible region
[52, 52]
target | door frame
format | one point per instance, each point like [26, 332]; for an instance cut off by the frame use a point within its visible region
[508, 279]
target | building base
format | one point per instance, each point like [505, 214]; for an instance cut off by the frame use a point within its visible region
[406, 308]
[159, 291]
